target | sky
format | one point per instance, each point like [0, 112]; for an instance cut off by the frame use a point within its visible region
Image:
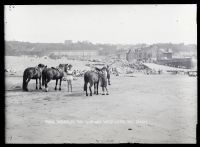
[116, 24]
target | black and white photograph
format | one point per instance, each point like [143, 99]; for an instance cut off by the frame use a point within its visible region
[100, 74]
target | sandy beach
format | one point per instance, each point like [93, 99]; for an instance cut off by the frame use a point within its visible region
[140, 109]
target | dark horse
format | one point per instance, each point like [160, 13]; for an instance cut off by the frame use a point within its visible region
[93, 77]
[53, 74]
[32, 73]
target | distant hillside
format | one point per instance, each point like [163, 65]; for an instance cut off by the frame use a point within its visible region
[16, 48]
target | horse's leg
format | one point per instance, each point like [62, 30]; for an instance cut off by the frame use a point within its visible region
[56, 84]
[94, 88]
[40, 83]
[90, 87]
[36, 83]
[46, 86]
[27, 84]
[60, 84]
[86, 89]
[97, 88]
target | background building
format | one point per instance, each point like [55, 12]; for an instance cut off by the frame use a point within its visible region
[159, 56]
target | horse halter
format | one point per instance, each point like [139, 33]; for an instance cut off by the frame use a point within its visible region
[60, 69]
[40, 69]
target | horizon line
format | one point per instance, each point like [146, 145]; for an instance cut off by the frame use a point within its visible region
[104, 42]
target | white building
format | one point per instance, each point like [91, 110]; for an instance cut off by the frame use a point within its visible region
[77, 53]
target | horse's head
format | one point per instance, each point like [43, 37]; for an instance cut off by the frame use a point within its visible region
[66, 67]
[69, 66]
[63, 67]
[104, 71]
[41, 66]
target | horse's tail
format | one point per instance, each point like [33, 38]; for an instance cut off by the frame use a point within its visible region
[24, 80]
[85, 82]
[43, 78]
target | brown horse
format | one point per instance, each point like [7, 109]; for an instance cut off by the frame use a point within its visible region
[93, 77]
[32, 73]
[53, 74]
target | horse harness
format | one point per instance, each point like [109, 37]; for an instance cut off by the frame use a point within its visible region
[100, 73]
[38, 69]
[57, 68]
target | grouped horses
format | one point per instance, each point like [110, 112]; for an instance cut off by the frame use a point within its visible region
[53, 74]
[93, 78]
[41, 72]
[32, 73]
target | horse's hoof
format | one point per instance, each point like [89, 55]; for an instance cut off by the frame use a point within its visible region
[107, 94]
[60, 89]
[86, 94]
[25, 89]
[103, 94]
[36, 88]
[55, 88]
[90, 94]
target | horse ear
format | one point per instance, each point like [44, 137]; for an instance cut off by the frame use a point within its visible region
[97, 69]
[40, 65]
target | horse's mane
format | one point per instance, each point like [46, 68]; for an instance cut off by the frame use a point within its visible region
[60, 67]
[96, 68]
[104, 68]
